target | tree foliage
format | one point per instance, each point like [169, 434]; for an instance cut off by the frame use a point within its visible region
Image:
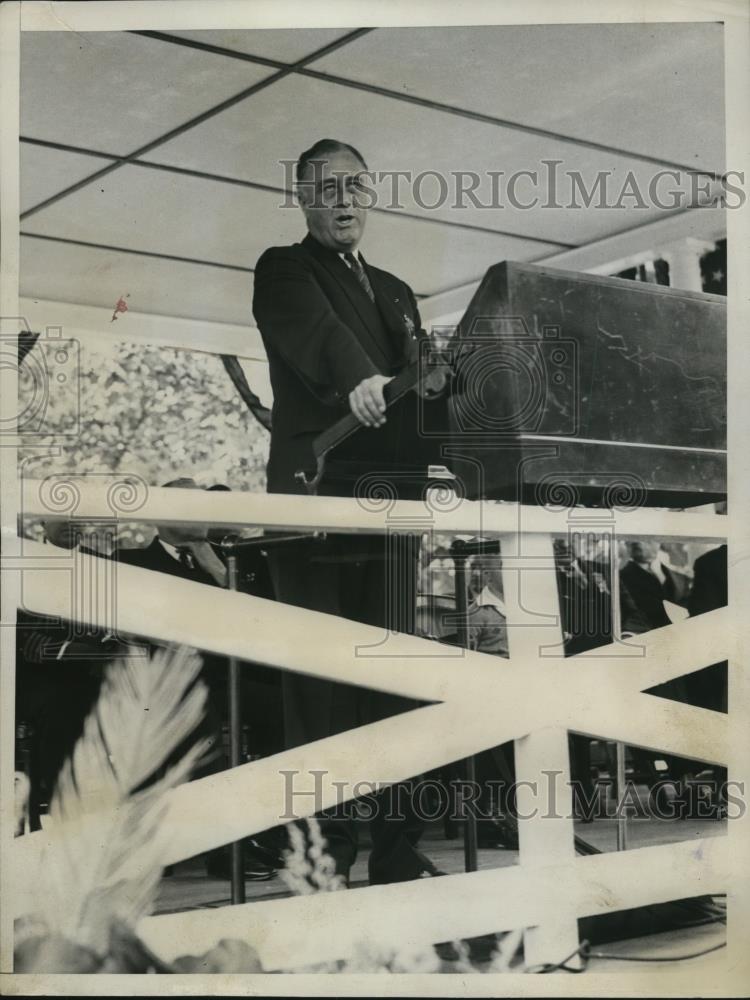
[129, 409]
[151, 411]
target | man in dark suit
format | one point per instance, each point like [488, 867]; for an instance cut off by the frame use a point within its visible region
[336, 330]
[708, 688]
[182, 551]
[645, 584]
[709, 590]
[583, 577]
[488, 633]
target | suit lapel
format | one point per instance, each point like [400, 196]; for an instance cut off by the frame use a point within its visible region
[394, 319]
[163, 562]
[394, 312]
[650, 579]
[357, 296]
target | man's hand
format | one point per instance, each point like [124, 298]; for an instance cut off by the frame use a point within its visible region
[367, 401]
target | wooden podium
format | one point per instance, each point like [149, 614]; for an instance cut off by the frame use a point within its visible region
[573, 388]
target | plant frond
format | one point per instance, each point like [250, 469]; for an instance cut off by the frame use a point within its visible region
[106, 856]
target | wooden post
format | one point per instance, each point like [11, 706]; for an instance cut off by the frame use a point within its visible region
[235, 739]
[544, 796]
[471, 847]
[622, 819]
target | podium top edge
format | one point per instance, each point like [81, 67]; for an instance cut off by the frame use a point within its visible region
[642, 287]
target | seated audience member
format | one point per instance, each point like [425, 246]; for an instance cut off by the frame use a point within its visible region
[583, 582]
[709, 590]
[646, 582]
[486, 614]
[487, 633]
[706, 688]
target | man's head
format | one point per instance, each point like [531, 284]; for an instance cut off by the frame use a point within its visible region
[330, 190]
[644, 550]
[489, 570]
[182, 534]
[217, 535]
[586, 545]
[63, 533]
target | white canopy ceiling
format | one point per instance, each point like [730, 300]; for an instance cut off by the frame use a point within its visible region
[180, 225]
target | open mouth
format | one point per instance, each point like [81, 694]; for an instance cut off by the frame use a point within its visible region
[345, 219]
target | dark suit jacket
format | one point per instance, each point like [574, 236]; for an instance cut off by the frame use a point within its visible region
[643, 596]
[155, 557]
[585, 602]
[709, 589]
[323, 336]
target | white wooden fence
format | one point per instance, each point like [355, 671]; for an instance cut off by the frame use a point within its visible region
[534, 698]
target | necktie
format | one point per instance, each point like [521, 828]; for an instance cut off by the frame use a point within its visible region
[186, 558]
[360, 275]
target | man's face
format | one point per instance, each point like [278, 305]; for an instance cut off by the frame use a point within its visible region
[492, 573]
[645, 551]
[331, 195]
[182, 534]
[585, 546]
[495, 579]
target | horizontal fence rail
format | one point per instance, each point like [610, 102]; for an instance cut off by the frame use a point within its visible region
[298, 932]
[61, 497]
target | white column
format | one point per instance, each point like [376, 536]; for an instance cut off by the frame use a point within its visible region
[684, 259]
[542, 758]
